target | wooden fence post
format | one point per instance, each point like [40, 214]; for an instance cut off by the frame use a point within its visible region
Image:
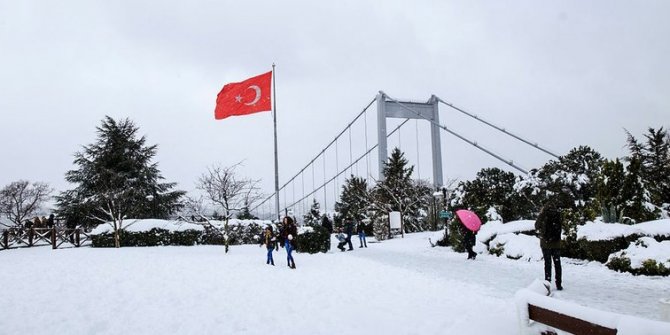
[77, 238]
[31, 234]
[53, 238]
[5, 239]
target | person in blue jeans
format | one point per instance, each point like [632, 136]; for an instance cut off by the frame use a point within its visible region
[289, 233]
[269, 241]
[361, 234]
[349, 230]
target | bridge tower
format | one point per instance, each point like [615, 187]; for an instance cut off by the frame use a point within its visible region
[429, 110]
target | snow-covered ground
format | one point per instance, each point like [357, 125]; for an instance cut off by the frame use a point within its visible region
[401, 286]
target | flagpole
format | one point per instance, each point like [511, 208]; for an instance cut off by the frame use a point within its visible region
[274, 117]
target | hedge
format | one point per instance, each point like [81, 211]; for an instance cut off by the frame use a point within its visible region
[316, 240]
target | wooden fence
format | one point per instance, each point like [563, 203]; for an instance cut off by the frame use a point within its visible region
[29, 237]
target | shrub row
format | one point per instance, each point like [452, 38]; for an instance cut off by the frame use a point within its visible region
[318, 240]
[151, 238]
[649, 267]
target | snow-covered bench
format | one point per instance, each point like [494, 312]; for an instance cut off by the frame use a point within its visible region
[538, 312]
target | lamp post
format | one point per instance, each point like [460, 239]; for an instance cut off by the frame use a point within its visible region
[437, 195]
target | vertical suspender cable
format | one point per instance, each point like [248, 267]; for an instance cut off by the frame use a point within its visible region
[367, 160]
[418, 157]
[325, 196]
[337, 173]
[351, 157]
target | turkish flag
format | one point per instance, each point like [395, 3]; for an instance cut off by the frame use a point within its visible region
[246, 97]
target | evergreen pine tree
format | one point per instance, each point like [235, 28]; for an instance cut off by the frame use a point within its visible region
[354, 199]
[636, 196]
[654, 156]
[493, 187]
[116, 179]
[398, 192]
[313, 217]
[245, 214]
[611, 191]
[574, 176]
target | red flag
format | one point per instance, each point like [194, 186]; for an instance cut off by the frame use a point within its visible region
[245, 97]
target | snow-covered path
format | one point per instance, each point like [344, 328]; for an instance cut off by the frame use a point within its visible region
[400, 286]
[586, 283]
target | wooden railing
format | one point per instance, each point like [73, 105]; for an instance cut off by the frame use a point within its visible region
[566, 323]
[29, 237]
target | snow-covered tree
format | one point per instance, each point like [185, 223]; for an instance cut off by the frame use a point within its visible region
[492, 188]
[313, 217]
[231, 193]
[637, 204]
[654, 157]
[245, 214]
[573, 175]
[22, 199]
[116, 179]
[398, 192]
[354, 199]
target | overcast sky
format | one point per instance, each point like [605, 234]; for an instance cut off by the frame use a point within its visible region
[561, 74]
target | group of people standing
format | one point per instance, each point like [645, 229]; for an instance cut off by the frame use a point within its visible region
[38, 222]
[349, 231]
[286, 237]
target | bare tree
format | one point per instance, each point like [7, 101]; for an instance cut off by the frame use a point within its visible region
[194, 206]
[225, 189]
[21, 199]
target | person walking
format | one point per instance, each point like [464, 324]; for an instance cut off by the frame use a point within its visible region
[349, 230]
[289, 234]
[548, 227]
[269, 241]
[469, 240]
[361, 234]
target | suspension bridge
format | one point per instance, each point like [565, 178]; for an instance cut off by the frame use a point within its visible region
[361, 149]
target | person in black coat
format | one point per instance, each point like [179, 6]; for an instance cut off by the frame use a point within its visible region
[469, 240]
[548, 228]
[349, 230]
[289, 234]
[361, 234]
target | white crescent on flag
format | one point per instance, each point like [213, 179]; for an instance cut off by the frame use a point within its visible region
[258, 95]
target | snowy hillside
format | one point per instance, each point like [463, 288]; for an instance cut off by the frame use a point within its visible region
[400, 286]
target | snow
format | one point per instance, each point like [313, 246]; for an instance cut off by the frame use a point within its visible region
[235, 222]
[493, 228]
[398, 286]
[522, 247]
[134, 225]
[624, 324]
[646, 248]
[599, 231]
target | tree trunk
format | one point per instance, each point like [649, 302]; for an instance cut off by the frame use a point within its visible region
[225, 234]
[117, 242]
[117, 239]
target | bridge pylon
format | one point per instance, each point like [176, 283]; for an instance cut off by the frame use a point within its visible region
[419, 110]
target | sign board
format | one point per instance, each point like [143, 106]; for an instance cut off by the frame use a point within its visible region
[394, 219]
[446, 215]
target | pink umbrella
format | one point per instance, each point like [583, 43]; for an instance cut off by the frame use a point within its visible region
[469, 219]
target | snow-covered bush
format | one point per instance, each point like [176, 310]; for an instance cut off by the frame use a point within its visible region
[153, 237]
[380, 228]
[313, 239]
[645, 256]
